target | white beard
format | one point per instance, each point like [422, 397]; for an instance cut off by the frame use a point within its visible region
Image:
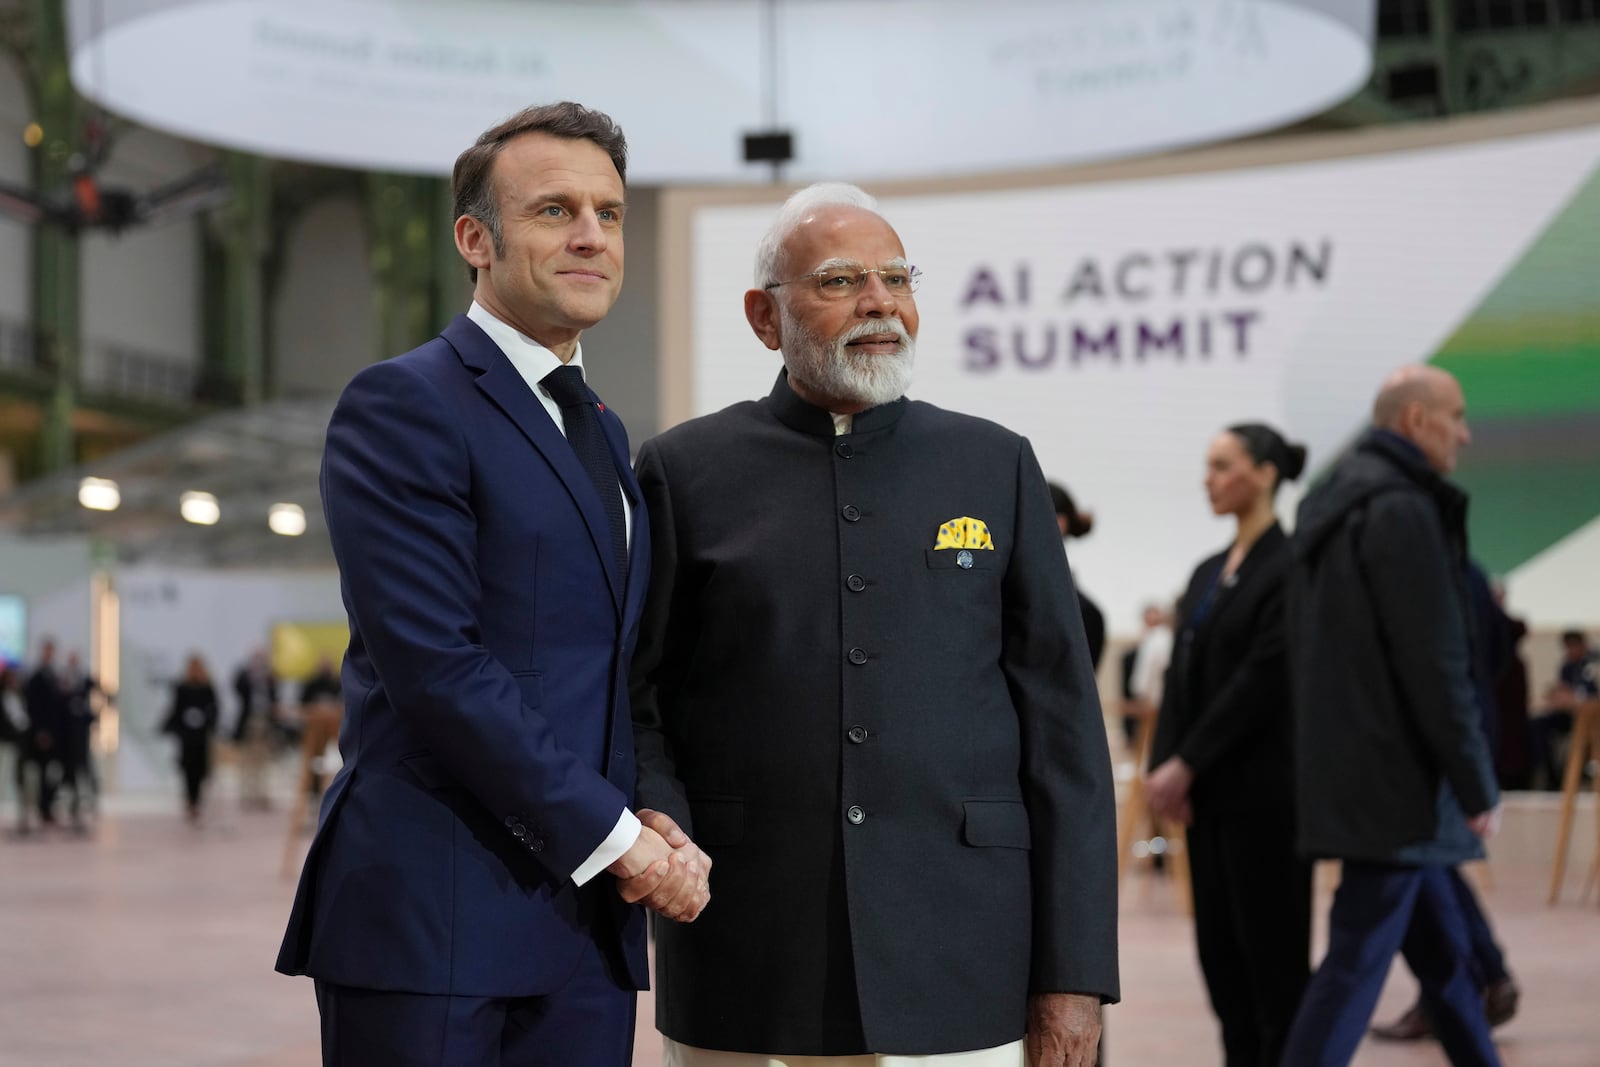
[832, 370]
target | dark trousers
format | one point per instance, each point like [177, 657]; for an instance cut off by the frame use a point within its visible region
[587, 1023]
[1487, 961]
[44, 769]
[1252, 920]
[1373, 918]
[195, 762]
[77, 774]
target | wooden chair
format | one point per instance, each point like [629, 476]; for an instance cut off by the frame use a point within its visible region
[1136, 812]
[1585, 746]
[321, 721]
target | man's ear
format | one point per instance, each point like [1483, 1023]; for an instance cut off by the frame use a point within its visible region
[761, 309]
[474, 242]
[1412, 418]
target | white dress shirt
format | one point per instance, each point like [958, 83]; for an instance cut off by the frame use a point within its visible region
[533, 361]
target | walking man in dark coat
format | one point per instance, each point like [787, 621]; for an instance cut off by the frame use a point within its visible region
[1394, 774]
[863, 687]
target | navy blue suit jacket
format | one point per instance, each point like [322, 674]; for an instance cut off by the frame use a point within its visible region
[486, 737]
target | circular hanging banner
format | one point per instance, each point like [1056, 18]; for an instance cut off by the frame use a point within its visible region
[869, 89]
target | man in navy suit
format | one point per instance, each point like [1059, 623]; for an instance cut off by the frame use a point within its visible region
[470, 894]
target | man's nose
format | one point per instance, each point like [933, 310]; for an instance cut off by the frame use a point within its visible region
[876, 299]
[587, 234]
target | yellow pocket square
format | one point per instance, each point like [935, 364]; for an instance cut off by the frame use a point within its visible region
[964, 532]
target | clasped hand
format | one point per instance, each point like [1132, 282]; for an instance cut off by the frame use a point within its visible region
[1166, 790]
[664, 870]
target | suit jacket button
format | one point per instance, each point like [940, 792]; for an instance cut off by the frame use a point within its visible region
[536, 845]
[844, 450]
[856, 583]
[519, 831]
[858, 734]
[851, 513]
[856, 815]
[858, 656]
[511, 822]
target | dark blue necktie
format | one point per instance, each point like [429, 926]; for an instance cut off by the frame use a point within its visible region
[588, 440]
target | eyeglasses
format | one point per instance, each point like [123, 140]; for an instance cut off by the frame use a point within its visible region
[841, 283]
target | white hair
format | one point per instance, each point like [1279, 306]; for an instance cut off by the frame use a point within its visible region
[795, 210]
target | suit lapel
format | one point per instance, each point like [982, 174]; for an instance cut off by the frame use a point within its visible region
[505, 388]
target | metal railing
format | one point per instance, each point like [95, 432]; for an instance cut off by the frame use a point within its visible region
[126, 371]
[106, 367]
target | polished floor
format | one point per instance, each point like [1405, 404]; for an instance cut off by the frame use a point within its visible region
[151, 943]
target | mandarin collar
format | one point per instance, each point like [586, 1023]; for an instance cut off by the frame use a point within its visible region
[807, 418]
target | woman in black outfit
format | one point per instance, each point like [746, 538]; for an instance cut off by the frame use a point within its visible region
[1074, 523]
[193, 721]
[1223, 762]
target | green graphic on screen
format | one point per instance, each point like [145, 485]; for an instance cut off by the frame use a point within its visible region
[1528, 359]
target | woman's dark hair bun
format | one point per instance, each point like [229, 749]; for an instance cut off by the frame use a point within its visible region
[1294, 462]
[1267, 445]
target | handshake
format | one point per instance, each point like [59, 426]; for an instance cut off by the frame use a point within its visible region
[664, 870]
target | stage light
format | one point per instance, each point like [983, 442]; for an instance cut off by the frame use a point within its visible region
[287, 519]
[99, 494]
[199, 508]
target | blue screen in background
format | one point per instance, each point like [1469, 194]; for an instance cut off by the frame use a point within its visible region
[13, 628]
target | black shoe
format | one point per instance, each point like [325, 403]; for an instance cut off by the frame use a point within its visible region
[1500, 1001]
[1412, 1026]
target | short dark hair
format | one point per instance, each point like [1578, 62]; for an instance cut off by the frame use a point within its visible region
[472, 185]
[1267, 445]
[1574, 637]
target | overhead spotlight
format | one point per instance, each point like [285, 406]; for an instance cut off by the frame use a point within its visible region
[199, 508]
[287, 519]
[99, 494]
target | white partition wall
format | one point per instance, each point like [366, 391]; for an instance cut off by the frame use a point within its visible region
[1121, 321]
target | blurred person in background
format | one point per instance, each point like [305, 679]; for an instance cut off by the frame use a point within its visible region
[1223, 756]
[1144, 668]
[192, 721]
[1577, 681]
[1513, 756]
[45, 747]
[324, 687]
[77, 757]
[1393, 771]
[13, 734]
[1074, 524]
[257, 689]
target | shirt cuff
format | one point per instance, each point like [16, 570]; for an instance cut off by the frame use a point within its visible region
[619, 841]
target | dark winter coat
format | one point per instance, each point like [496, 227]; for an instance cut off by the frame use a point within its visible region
[1389, 746]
